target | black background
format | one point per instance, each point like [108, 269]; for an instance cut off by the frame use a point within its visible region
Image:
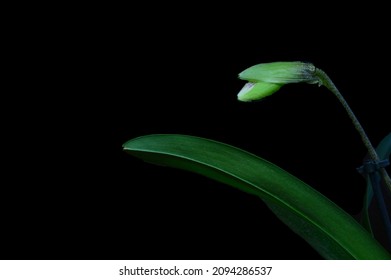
[97, 79]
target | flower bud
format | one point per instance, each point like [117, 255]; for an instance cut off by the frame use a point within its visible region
[280, 73]
[267, 78]
[255, 91]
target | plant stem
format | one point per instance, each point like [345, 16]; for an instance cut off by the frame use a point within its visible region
[326, 81]
[376, 185]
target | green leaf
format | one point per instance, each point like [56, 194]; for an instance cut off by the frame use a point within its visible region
[383, 151]
[330, 231]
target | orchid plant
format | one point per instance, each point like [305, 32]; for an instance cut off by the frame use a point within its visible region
[332, 232]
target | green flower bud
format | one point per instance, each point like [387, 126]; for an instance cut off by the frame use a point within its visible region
[255, 91]
[266, 78]
[280, 73]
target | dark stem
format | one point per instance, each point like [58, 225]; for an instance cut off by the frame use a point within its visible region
[376, 184]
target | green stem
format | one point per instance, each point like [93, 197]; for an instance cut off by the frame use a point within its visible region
[326, 81]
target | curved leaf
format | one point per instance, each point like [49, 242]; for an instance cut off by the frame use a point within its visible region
[329, 230]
